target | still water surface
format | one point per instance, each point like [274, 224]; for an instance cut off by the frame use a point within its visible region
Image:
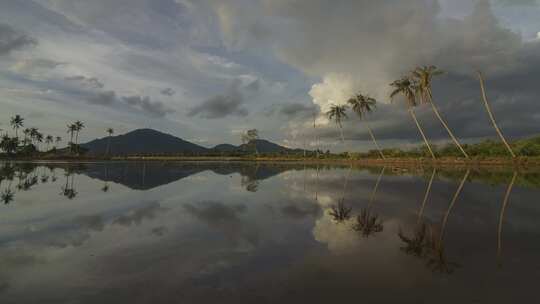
[248, 233]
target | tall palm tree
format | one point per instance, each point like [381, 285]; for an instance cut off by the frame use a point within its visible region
[491, 116]
[338, 113]
[27, 132]
[363, 105]
[315, 134]
[79, 125]
[16, 123]
[71, 129]
[49, 140]
[423, 77]
[406, 88]
[109, 131]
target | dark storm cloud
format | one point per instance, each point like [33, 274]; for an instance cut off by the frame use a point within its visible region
[91, 82]
[168, 92]
[229, 104]
[153, 108]
[11, 39]
[298, 110]
[107, 98]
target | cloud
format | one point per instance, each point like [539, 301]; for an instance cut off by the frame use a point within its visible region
[153, 108]
[38, 64]
[229, 104]
[168, 92]
[298, 109]
[91, 82]
[11, 39]
[107, 98]
[137, 216]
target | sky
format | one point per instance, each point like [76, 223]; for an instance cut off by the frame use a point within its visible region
[207, 70]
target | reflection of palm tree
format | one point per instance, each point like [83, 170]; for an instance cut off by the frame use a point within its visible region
[341, 212]
[437, 260]
[501, 217]
[68, 190]
[418, 244]
[368, 223]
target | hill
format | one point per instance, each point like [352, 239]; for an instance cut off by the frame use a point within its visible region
[143, 141]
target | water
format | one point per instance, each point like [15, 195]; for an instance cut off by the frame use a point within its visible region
[247, 233]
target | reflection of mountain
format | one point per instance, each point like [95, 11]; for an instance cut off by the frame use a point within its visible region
[143, 176]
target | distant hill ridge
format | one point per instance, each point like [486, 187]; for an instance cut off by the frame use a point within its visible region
[149, 141]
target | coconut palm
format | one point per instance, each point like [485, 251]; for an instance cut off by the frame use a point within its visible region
[315, 134]
[363, 105]
[79, 125]
[110, 132]
[406, 88]
[71, 129]
[16, 123]
[338, 113]
[501, 217]
[7, 196]
[49, 140]
[27, 132]
[491, 116]
[423, 77]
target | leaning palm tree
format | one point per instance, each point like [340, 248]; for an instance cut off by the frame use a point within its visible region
[406, 88]
[110, 132]
[363, 105]
[491, 116]
[423, 77]
[338, 113]
[16, 123]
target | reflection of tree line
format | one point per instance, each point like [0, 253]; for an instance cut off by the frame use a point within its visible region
[22, 177]
[427, 240]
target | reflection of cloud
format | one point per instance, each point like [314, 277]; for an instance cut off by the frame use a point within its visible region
[160, 231]
[137, 216]
[338, 237]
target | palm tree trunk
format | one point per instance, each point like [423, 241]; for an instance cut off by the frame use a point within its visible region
[501, 217]
[109, 145]
[344, 143]
[426, 196]
[490, 113]
[374, 192]
[422, 133]
[315, 135]
[454, 199]
[374, 140]
[454, 139]
[77, 141]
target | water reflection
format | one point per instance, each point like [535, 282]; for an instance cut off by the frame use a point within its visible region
[240, 232]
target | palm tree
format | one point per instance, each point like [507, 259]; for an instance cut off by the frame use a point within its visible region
[49, 140]
[71, 129]
[491, 116]
[338, 113]
[423, 77]
[452, 203]
[57, 140]
[315, 134]
[363, 105]
[406, 88]
[109, 131]
[17, 122]
[27, 132]
[7, 196]
[79, 125]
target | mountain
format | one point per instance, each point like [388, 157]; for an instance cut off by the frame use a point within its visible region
[263, 146]
[143, 141]
[225, 148]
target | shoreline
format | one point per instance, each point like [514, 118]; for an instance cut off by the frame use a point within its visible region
[414, 162]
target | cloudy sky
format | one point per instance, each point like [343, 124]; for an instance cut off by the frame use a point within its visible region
[205, 70]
